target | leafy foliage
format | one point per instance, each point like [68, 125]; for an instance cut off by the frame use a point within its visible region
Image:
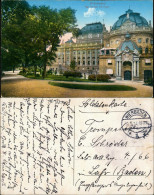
[72, 74]
[100, 77]
[72, 65]
[31, 35]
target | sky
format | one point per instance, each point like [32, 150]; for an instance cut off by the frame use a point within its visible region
[100, 11]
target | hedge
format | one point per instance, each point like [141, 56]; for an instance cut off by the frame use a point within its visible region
[100, 77]
[72, 74]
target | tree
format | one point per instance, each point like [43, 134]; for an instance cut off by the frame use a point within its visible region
[14, 13]
[51, 25]
[33, 33]
[72, 65]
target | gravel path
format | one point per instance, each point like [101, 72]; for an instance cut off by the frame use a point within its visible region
[14, 85]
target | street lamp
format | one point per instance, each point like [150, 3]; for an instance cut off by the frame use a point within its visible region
[96, 74]
[83, 73]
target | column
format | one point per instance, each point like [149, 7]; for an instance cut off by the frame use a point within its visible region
[133, 70]
[61, 58]
[85, 57]
[76, 57]
[120, 68]
[90, 57]
[116, 68]
[95, 57]
[80, 58]
[137, 68]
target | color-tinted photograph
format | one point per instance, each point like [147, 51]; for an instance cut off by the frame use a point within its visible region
[77, 49]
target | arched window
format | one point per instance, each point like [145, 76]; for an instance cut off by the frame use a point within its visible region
[146, 50]
[140, 50]
[147, 40]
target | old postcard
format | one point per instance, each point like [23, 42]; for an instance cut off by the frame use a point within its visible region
[72, 49]
[77, 112]
[76, 146]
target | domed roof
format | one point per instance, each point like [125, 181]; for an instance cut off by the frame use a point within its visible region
[128, 44]
[133, 17]
[92, 28]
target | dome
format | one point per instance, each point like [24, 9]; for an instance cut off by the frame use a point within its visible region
[128, 45]
[92, 28]
[133, 17]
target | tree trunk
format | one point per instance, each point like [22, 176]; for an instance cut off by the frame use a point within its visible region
[45, 61]
[26, 60]
[13, 68]
[35, 68]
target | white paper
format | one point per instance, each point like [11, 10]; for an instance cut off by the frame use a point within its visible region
[76, 146]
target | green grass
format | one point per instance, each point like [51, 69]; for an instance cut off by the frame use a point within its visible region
[94, 87]
[63, 78]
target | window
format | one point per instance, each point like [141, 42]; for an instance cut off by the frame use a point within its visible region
[147, 40]
[88, 52]
[78, 52]
[109, 62]
[107, 52]
[151, 41]
[83, 57]
[146, 50]
[140, 50]
[93, 62]
[117, 41]
[139, 40]
[83, 52]
[147, 62]
[78, 62]
[88, 62]
[83, 62]
[98, 62]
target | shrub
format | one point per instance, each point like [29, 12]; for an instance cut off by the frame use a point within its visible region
[49, 71]
[92, 77]
[103, 77]
[37, 75]
[21, 73]
[72, 74]
[3, 74]
[100, 77]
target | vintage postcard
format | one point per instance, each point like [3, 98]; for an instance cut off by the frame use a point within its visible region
[77, 112]
[76, 146]
[77, 48]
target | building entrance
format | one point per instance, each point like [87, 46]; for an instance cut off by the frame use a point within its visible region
[147, 75]
[127, 75]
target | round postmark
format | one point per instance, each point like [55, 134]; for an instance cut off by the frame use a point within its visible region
[136, 123]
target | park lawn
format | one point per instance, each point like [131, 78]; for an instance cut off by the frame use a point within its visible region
[94, 87]
[63, 78]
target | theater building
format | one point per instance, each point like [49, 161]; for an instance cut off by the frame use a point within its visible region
[125, 51]
[85, 52]
[128, 53]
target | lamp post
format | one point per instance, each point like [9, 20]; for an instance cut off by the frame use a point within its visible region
[83, 73]
[96, 74]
